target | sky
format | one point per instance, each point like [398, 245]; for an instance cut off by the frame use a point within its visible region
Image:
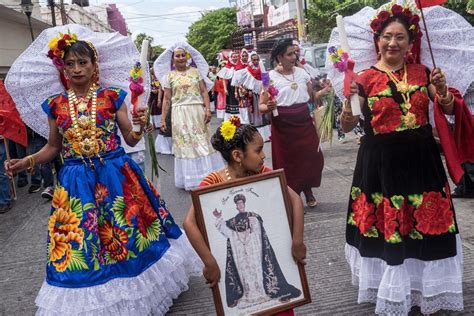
[167, 21]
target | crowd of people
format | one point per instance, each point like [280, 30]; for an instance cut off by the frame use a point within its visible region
[110, 230]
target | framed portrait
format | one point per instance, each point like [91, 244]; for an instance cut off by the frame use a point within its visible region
[247, 225]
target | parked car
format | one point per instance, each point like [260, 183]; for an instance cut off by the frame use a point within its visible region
[315, 55]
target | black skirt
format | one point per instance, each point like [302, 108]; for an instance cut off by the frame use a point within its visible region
[400, 205]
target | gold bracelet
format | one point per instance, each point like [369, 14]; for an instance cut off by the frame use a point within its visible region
[136, 136]
[31, 163]
[448, 96]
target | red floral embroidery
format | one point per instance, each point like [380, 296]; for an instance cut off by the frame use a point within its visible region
[419, 106]
[363, 213]
[386, 115]
[417, 75]
[137, 204]
[405, 218]
[386, 218]
[434, 215]
[115, 240]
[374, 82]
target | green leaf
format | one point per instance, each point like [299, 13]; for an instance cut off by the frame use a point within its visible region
[78, 261]
[373, 232]
[397, 201]
[414, 88]
[452, 228]
[386, 93]
[416, 199]
[76, 207]
[355, 192]
[141, 243]
[118, 207]
[414, 234]
[153, 231]
[96, 265]
[129, 231]
[89, 206]
[377, 197]
[394, 239]
[108, 259]
[89, 237]
[131, 254]
[100, 220]
[351, 221]
[371, 101]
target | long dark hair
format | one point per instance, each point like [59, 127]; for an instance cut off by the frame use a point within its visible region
[244, 135]
[279, 48]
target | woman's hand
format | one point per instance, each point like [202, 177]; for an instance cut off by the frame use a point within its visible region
[438, 80]
[163, 126]
[211, 272]
[354, 88]
[140, 117]
[207, 115]
[298, 250]
[14, 166]
[271, 104]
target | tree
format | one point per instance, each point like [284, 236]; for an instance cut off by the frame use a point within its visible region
[154, 52]
[321, 14]
[212, 32]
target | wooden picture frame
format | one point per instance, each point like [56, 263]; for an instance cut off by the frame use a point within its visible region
[234, 236]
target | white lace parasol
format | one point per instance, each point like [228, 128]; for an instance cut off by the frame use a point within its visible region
[164, 63]
[451, 36]
[33, 77]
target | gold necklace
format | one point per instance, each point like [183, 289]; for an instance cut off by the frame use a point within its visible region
[85, 129]
[226, 171]
[402, 85]
[294, 84]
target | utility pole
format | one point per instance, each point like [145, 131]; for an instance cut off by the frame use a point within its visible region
[301, 21]
[252, 25]
[63, 12]
[51, 5]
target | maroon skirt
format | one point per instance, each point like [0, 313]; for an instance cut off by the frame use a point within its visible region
[295, 147]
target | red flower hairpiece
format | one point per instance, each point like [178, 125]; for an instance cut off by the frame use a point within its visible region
[392, 9]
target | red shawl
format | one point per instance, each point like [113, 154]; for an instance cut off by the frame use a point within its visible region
[458, 143]
[255, 72]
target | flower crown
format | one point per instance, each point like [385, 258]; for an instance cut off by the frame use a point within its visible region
[229, 127]
[57, 46]
[392, 9]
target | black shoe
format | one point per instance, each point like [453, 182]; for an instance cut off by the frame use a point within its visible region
[458, 192]
[48, 193]
[22, 183]
[34, 188]
[5, 208]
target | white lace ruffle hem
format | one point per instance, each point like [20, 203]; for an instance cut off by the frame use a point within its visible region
[164, 145]
[152, 291]
[431, 285]
[188, 173]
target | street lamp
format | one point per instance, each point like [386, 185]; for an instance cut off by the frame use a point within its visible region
[27, 8]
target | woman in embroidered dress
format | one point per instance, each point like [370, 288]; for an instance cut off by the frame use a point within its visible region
[243, 152]
[186, 92]
[295, 144]
[402, 237]
[250, 80]
[113, 247]
[227, 73]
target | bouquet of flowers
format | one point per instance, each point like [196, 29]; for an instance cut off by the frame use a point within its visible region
[270, 89]
[339, 58]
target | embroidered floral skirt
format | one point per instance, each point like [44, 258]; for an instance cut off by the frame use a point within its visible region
[113, 247]
[402, 237]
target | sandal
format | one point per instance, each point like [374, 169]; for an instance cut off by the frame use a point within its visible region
[311, 202]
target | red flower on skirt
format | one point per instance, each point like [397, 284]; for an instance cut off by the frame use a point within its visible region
[386, 218]
[386, 115]
[434, 215]
[405, 218]
[419, 106]
[363, 213]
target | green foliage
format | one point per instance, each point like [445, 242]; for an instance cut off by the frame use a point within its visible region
[154, 52]
[212, 32]
[321, 14]
[78, 261]
[118, 207]
[76, 207]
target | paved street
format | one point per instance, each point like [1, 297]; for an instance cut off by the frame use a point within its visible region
[23, 250]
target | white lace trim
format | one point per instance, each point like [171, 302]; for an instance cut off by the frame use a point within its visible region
[188, 173]
[431, 285]
[33, 78]
[451, 40]
[226, 73]
[164, 145]
[152, 291]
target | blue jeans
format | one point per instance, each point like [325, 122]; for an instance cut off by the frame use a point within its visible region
[41, 172]
[5, 197]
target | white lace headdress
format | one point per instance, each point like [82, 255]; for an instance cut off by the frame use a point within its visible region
[33, 78]
[164, 63]
[451, 36]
